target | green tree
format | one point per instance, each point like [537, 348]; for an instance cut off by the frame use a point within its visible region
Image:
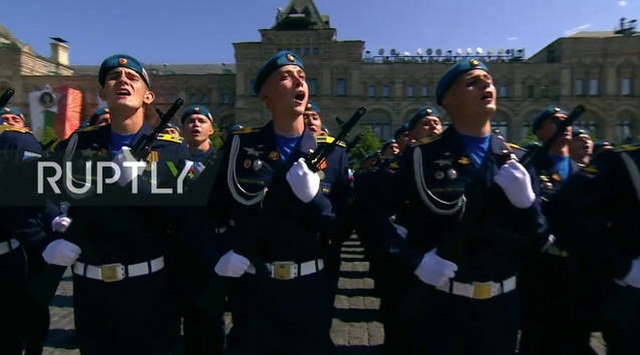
[369, 143]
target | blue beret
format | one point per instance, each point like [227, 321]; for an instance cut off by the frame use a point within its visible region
[122, 60]
[311, 106]
[546, 113]
[387, 143]
[237, 127]
[578, 132]
[453, 73]
[196, 110]
[94, 118]
[172, 125]
[11, 111]
[422, 113]
[276, 61]
[400, 130]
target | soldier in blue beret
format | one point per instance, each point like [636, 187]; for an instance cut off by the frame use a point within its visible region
[465, 211]
[279, 214]
[101, 117]
[554, 317]
[20, 233]
[172, 129]
[581, 147]
[313, 120]
[118, 247]
[197, 123]
[12, 117]
[425, 123]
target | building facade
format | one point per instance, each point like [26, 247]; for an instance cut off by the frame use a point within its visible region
[600, 70]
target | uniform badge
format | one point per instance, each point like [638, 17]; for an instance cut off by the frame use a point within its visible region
[273, 155]
[290, 58]
[257, 164]
[252, 151]
[122, 61]
[452, 174]
[443, 162]
[323, 164]
[439, 175]
[464, 160]
[556, 177]
[246, 163]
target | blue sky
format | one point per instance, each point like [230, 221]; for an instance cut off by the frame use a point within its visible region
[202, 31]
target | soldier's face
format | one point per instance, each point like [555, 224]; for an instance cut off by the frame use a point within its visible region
[313, 121]
[197, 128]
[474, 93]
[103, 120]
[123, 87]
[13, 120]
[285, 91]
[581, 145]
[428, 126]
[549, 127]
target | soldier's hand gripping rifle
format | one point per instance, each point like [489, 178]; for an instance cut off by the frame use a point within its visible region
[142, 147]
[314, 161]
[6, 96]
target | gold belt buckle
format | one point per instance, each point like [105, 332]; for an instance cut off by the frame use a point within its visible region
[112, 272]
[482, 290]
[283, 270]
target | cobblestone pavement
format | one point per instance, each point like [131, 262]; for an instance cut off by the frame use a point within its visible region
[356, 329]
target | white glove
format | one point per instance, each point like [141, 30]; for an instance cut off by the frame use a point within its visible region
[515, 181]
[633, 277]
[304, 183]
[60, 223]
[61, 252]
[129, 166]
[233, 265]
[434, 270]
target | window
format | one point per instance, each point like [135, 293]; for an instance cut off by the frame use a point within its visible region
[342, 87]
[371, 91]
[424, 92]
[306, 51]
[503, 91]
[253, 92]
[624, 132]
[204, 99]
[386, 91]
[316, 51]
[382, 131]
[225, 98]
[410, 91]
[594, 87]
[578, 87]
[531, 92]
[313, 86]
[625, 87]
[193, 98]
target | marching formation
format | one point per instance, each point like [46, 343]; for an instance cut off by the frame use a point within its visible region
[476, 245]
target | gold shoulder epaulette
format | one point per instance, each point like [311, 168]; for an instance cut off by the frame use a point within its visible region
[329, 140]
[246, 130]
[590, 169]
[628, 148]
[88, 128]
[7, 128]
[427, 140]
[169, 138]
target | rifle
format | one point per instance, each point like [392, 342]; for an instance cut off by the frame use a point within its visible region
[6, 96]
[142, 147]
[322, 152]
[561, 126]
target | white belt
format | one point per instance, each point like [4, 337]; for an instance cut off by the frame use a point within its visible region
[287, 270]
[479, 290]
[117, 272]
[8, 246]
